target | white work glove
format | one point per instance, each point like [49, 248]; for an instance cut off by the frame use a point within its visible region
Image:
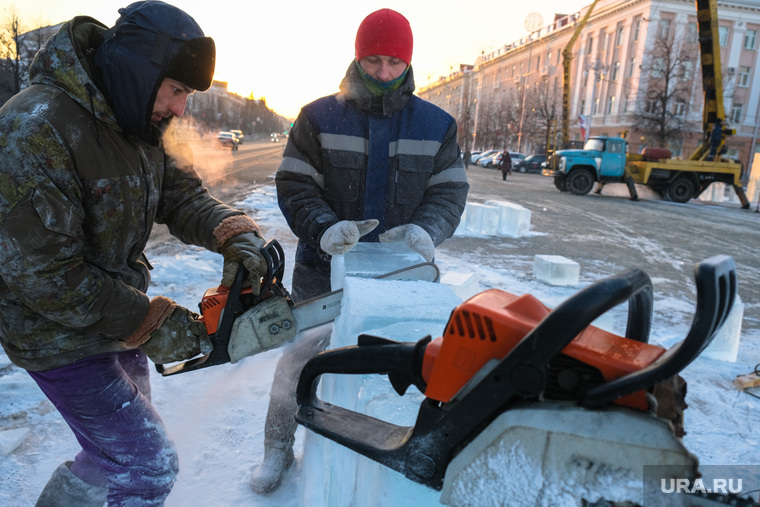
[415, 237]
[341, 237]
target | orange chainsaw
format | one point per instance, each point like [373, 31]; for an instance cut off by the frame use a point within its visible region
[241, 324]
[501, 353]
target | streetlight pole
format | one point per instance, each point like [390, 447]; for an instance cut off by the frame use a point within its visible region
[599, 70]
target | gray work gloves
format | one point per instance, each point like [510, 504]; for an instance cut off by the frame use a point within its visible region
[170, 333]
[240, 243]
[341, 237]
[244, 249]
[415, 237]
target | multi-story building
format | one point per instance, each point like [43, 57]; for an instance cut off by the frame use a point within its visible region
[512, 96]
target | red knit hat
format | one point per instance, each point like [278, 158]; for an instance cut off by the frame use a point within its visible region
[385, 32]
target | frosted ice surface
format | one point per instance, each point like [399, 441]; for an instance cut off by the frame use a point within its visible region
[725, 345]
[368, 260]
[556, 270]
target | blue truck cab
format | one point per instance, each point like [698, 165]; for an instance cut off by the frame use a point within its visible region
[602, 159]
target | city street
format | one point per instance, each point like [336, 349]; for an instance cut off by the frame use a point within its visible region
[605, 233]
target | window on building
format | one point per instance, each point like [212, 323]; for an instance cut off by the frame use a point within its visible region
[743, 77]
[596, 106]
[589, 45]
[687, 70]
[583, 106]
[619, 36]
[750, 39]
[538, 62]
[548, 56]
[610, 104]
[736, 113]
[626, 101]
[631, 67]
[521, 68]
[679, 109]
[692, 35]
[636, 28]
[651, 106]
[658, 68]
[723, 36]
[615, 70]
[663, 29]
[603, 41]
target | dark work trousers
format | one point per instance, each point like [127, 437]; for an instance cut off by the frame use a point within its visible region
[105, 399]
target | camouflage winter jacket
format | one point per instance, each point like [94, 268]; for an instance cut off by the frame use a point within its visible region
[78, 199]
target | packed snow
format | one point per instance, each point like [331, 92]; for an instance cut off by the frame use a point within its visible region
[216, 415]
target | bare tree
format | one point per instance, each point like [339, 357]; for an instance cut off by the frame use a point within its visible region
[17, 49]
[545, 107]
[11, 69]
[669, 67]
[465, 125]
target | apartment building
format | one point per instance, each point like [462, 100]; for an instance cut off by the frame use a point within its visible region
[513, 95]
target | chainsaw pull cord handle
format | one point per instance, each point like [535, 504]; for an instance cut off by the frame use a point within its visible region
[274, 256]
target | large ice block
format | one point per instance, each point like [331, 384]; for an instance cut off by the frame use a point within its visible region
[514, 220]
[482, 218]
[725, 345]
[405, 311]
[368, 260]
[556, 270]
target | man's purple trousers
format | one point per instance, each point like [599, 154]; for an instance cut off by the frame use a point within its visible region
[105, 400]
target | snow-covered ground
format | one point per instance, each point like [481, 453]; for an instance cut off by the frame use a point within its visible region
[216, 416]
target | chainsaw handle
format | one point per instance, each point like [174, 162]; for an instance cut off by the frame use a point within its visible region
[716, 291]
[401, 361]
[274, 257]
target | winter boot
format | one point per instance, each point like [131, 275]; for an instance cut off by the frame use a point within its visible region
[268, 476]
[65, 489]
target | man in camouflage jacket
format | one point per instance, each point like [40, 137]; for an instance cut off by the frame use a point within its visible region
[83, 176]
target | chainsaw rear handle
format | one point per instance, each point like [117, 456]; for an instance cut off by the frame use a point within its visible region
[716, 291]
[274, 257]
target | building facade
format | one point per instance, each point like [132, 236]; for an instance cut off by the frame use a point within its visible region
[512, 96]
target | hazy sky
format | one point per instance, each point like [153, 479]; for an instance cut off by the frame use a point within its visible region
[292, 52]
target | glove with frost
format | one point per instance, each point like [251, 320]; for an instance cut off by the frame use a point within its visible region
[341, 237]
[415, 237]
[241, 244]
[170, 333]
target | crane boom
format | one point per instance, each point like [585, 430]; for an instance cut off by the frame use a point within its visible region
[567, 60]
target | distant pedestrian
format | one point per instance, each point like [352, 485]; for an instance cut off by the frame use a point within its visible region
[467, 158]
[716, 138]
[505, 164]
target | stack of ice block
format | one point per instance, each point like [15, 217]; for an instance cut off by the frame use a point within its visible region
[405, 311]
[556, 270]
[495, 218]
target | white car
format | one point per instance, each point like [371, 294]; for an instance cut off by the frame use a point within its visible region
[476, 158]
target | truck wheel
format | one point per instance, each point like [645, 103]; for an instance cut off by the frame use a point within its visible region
[680, 190]
[560, 183]
[580, 182]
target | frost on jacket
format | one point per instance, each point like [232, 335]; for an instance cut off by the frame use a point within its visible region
[78, 198]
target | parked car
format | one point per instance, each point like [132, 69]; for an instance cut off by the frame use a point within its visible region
[275, 138]
[530, 164]
[493, 161]
[475, 158]
[227, 140]
[239, 135]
